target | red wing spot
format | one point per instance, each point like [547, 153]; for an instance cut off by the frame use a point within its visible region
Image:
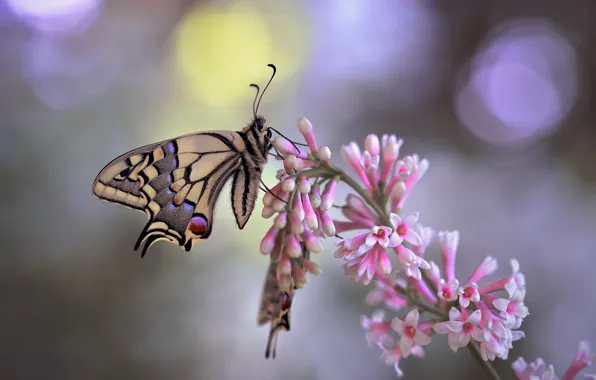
[284, 300]
[198, 225]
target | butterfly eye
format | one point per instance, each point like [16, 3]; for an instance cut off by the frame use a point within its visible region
[260, 123]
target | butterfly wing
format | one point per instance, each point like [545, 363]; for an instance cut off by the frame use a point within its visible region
[276, 303]
[175, 182]
[245, 187]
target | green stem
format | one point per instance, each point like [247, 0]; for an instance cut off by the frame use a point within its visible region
[488, 366]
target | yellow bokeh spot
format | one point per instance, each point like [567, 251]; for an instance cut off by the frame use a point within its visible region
[219, 51]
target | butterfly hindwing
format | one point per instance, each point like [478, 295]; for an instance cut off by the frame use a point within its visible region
[176, 182]
[245, 187]
[276, 303]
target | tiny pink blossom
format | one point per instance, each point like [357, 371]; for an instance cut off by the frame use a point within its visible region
[405, 228]
[448, 242]
[426, 235]
[372, 145]
[304, 185]
[268, 242]
[513, 308]
[326, 222]
[434, 274]
[328, 194]
[410, 332]
[448, 291]
[267, 212]
[411, 262]
[285, 147]
[486, 268]
[292, 247]
[310, 217]
[306, 129]
[324, 153]
[297, 208]
[377, 329]
[369, 260]
[391, 147]
[468, 293]
[537, 370]
[385, 292]
[460, 329]
[311, 241]
[380, 235]
[393, 355]
[352, 154]
[583, 358]
[315, 196]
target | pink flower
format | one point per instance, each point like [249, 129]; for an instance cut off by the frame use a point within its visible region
[382, 236]
[449, 242]
[426, 235]
[391, 146]
[406, 228]
[393, 355]
[488, 267]
[583, 358]
[411, 262]
[377, 329]
[539, 370]
[513, 308]
[536, 370]
[306, 129]
[461, 329]
[385, 292]
[468, 293]
[448, 291]
[410, 332]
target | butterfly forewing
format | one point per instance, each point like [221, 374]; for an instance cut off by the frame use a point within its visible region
[177, 183]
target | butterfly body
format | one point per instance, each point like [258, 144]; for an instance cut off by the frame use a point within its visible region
[276, 302]
[177, 182]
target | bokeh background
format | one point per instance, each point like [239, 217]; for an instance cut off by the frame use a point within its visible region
[498, 95]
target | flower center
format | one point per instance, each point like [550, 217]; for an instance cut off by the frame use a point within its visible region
[410, 331]
[467, 328]
[469, 292]
[381, 234]
[446, 293]
[402, 229]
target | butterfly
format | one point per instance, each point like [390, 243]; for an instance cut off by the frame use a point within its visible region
[276, 303]
[177, 182]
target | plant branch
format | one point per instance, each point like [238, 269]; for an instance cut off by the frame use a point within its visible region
[488, 367]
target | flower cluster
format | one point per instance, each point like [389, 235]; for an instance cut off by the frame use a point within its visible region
[300, 202]
[538, 370]
[427, 298]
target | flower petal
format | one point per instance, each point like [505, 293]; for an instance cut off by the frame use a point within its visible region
[397, 325]
[421, 338]
[412, 318]
[405, 345]
[475, 318]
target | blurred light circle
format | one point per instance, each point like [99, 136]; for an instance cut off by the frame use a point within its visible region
[67, 75]
[56, 16]
[526, 78]
[219, 52]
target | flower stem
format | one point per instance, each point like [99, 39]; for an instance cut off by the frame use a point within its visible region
[361, 191]
[488, 367]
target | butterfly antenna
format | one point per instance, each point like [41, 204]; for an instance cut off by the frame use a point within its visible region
[278, 155]
[268, 190]
[254, 103]
[295, 144]
[266, 86]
